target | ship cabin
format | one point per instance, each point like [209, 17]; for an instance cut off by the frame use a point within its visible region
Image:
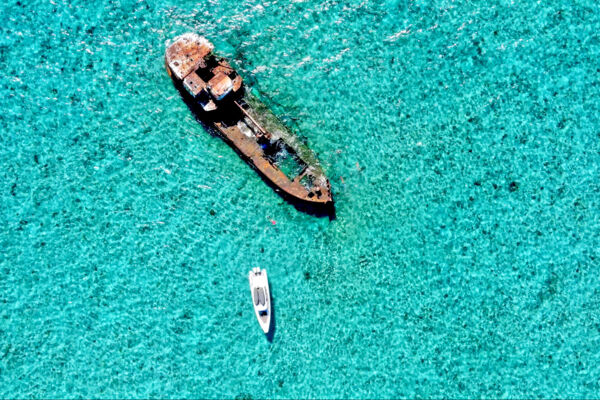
[208, 79]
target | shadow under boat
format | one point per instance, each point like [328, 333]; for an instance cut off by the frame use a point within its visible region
[269, 335]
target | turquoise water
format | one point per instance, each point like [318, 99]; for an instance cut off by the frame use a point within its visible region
[462, 141]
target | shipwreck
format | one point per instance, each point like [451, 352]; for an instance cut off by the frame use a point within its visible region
[216, 94]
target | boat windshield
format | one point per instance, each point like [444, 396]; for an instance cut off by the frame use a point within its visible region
[259, 296]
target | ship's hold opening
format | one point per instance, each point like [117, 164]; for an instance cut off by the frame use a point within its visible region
[284, 158]
[308, 181]
[203, 98]
[205, 71]
[290, 166]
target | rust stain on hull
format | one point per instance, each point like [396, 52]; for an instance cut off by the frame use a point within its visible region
[216, 94]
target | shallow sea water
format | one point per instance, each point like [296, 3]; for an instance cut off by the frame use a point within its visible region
[462, 140]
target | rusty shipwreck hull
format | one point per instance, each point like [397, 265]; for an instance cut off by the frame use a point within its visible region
[320, 209]
[222, 103]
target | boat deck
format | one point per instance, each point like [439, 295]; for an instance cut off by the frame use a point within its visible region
[250, 149]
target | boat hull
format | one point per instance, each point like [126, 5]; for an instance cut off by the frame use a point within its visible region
[261, 280]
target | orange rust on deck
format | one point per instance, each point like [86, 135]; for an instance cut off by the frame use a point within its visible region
[214, 90]
[187, 54]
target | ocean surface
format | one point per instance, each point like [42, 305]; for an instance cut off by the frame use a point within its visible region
[462, 141]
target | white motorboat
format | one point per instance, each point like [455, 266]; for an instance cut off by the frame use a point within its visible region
[261, 297]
